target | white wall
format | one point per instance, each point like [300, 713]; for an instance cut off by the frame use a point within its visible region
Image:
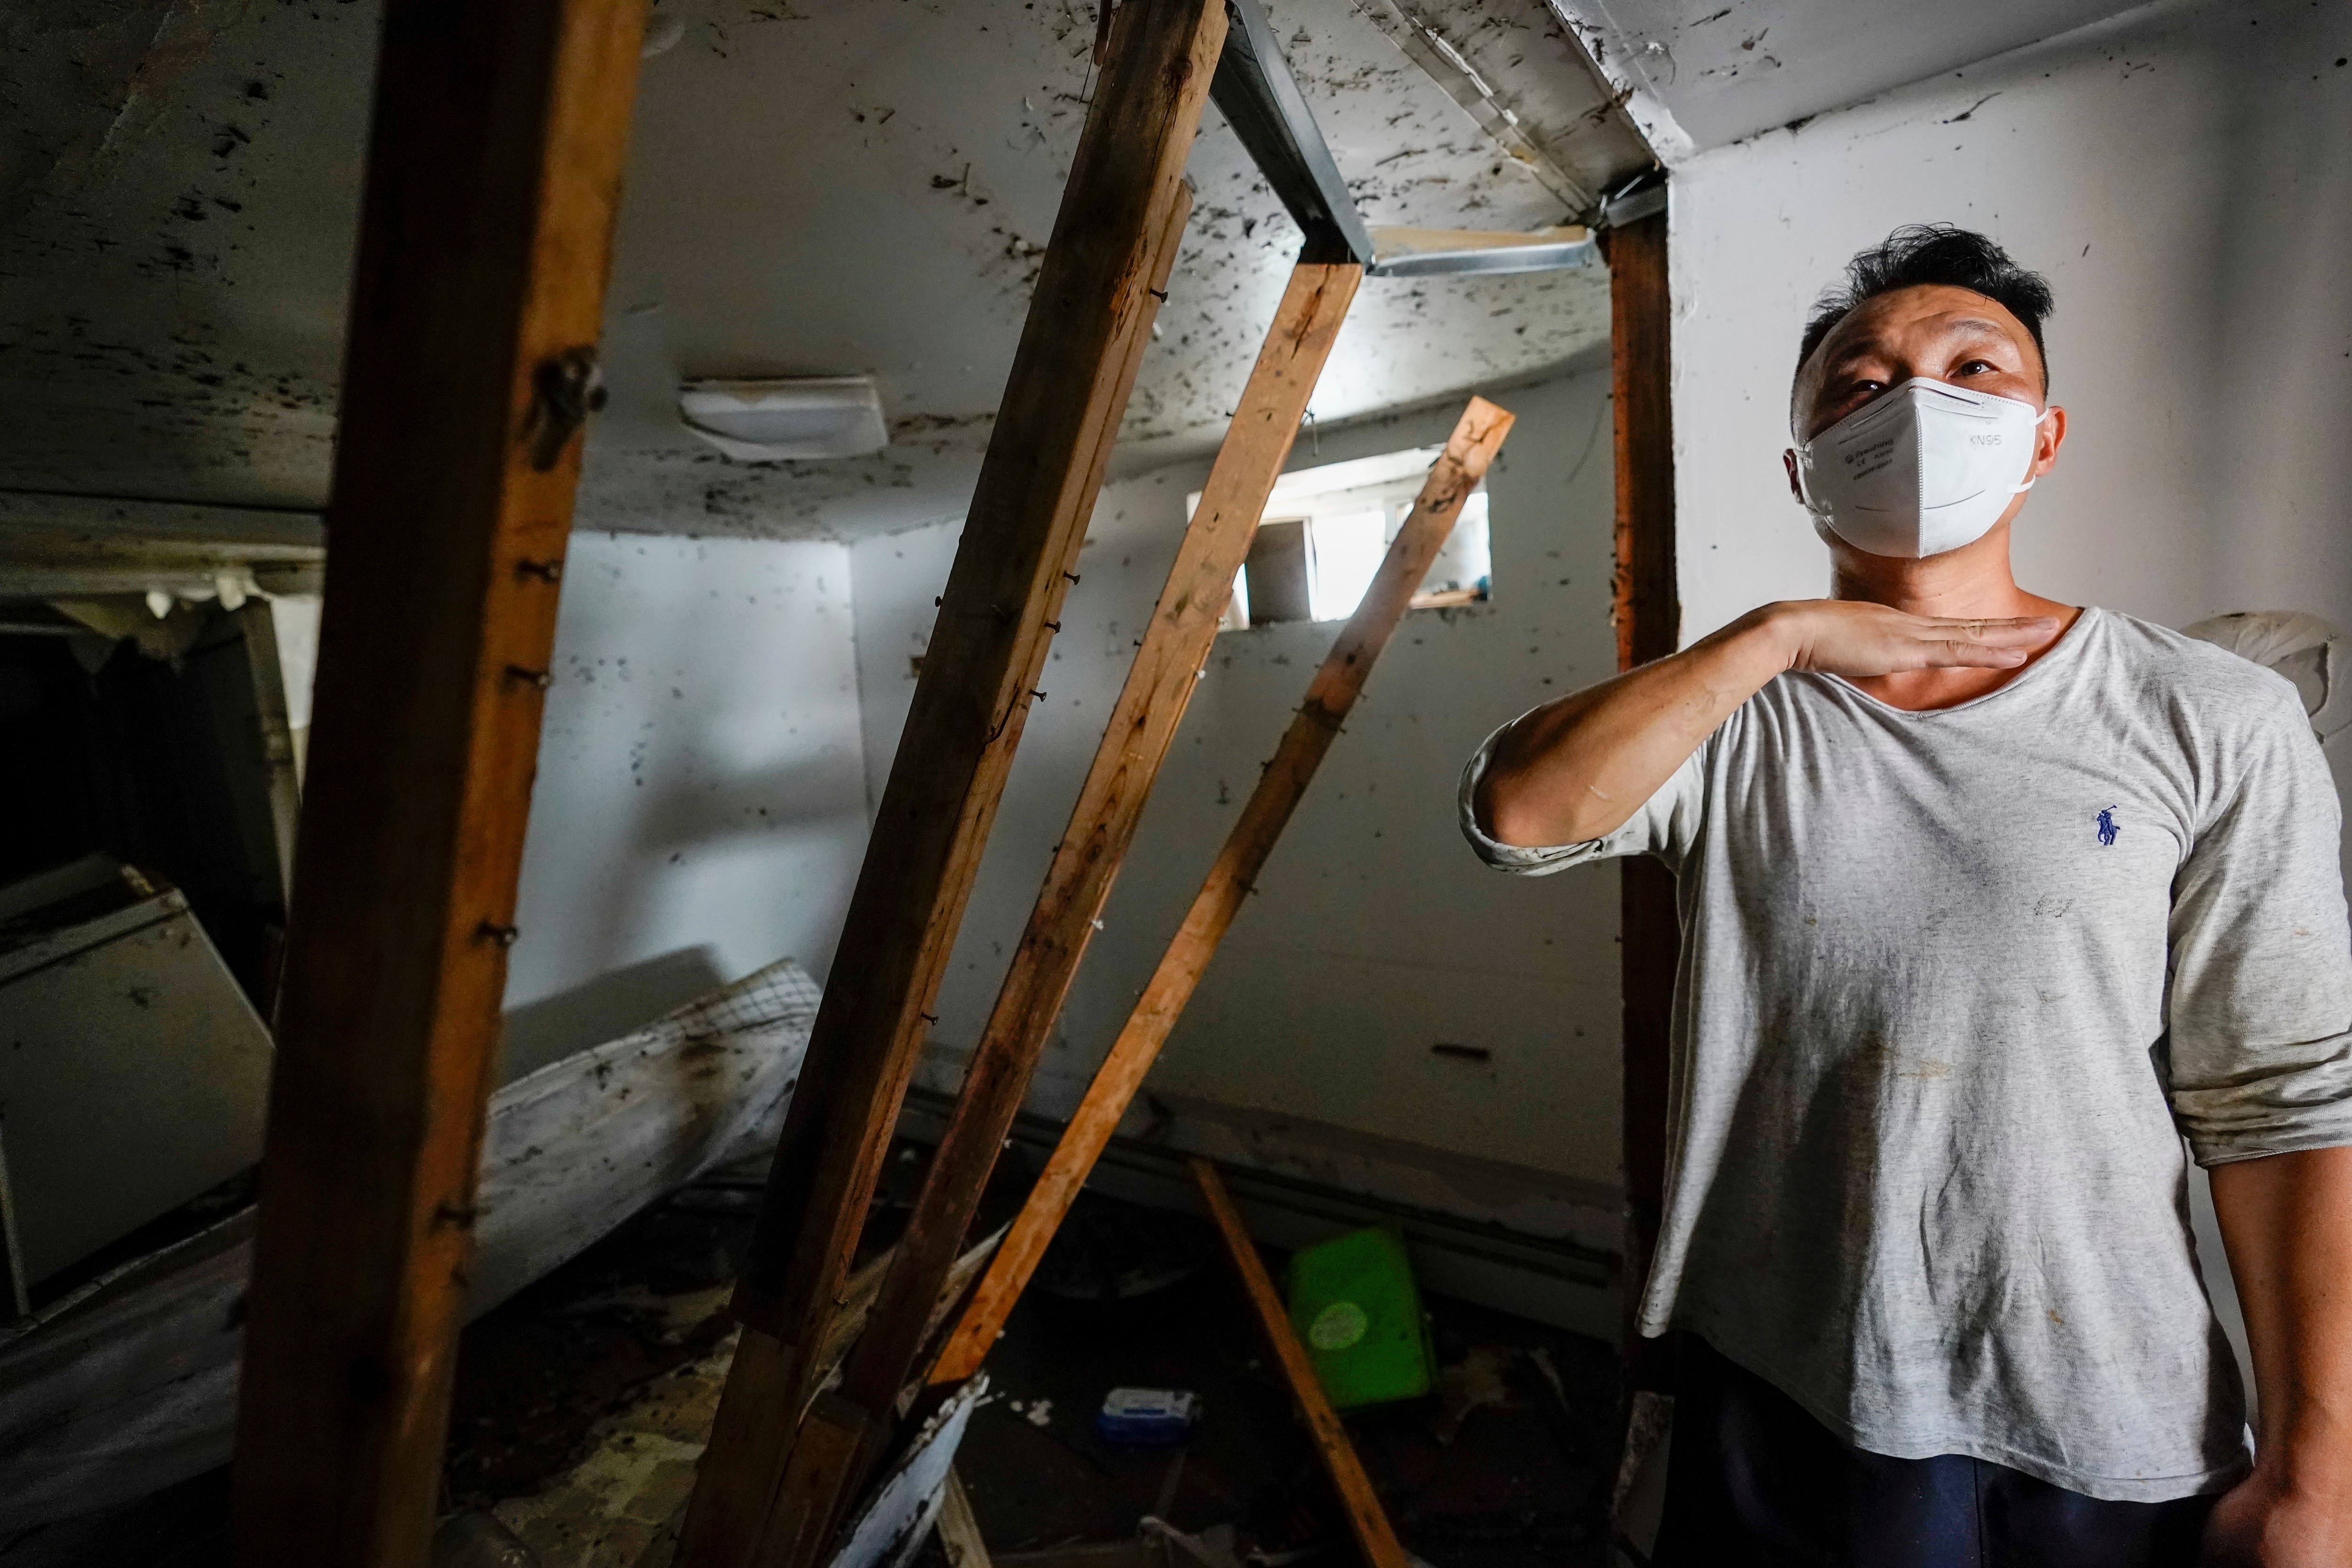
[700, 805]
[1374, 933]
[2183, 175]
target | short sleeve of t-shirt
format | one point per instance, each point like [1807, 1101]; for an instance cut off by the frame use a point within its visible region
[1667, 826]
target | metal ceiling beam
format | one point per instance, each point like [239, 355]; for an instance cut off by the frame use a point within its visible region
[1451, 252]
[1255, 93]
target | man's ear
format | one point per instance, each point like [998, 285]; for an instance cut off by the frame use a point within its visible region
[1797, 489]
[2047, 437]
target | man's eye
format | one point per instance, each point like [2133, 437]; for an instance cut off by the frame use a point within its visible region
[1977, 367]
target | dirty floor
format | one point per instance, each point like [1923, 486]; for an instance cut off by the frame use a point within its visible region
[581, 1406]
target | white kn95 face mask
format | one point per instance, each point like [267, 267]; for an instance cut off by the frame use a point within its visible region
[1925, 468]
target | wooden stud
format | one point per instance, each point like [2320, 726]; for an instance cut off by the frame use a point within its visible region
[1648, 613]
[765, 1449]
[822, 1467]
[1472, 447]
[1142, 726]
[493, 181]
[1647, 607]
[1367, 1521]
[1089, 322]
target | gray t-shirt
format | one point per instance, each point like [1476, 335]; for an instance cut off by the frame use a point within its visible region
[1954, 986]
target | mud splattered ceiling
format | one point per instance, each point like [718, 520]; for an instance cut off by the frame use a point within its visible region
[815, 187]
[1727, 70]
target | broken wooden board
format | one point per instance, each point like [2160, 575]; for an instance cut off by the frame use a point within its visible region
[1477, 437]
[130, 1385]
[1367, 1521]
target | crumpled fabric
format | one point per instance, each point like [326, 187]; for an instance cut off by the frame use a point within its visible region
[2301, 646]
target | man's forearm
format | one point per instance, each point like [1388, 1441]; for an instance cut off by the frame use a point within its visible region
[1578, 768]
[2287, 1222]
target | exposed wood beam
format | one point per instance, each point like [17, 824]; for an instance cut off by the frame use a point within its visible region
[1367, 1521]
[836, 1436]
[1143, 723]
[493, 180]
[1648, 613]
[764, 1406]
[1089, 322]
[1468, 451]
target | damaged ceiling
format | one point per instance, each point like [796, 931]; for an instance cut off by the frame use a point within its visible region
[815, 188]
[1723, 70]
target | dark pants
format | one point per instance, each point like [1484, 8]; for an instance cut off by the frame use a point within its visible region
[1753, 1481]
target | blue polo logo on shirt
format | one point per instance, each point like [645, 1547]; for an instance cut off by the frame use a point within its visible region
[2109, 826]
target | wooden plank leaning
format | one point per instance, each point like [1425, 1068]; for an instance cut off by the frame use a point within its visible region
[1088, 320]
[768, 1408]
[836, 1437]
[1367, 1521]
[1143, 723]
[1477, 437]
[494, 175]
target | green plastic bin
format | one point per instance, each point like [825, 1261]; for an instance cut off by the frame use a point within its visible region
[1355, 1307]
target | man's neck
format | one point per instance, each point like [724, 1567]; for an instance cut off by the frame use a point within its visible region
[1974, 583]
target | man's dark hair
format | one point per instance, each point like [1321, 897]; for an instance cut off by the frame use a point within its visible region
[1934, 253]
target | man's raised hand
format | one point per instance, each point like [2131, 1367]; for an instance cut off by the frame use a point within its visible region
[1858, 640]
[1578, 768]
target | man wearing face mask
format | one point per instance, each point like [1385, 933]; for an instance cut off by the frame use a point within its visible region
[1988, 902]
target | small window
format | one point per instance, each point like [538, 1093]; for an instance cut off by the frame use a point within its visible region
[1325, 531]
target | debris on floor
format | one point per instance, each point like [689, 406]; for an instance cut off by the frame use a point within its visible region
[614, 1507]
[582, 1405]
[1146, 1417]
[476, 1540]
[127, 1380]
[1504, 1466]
